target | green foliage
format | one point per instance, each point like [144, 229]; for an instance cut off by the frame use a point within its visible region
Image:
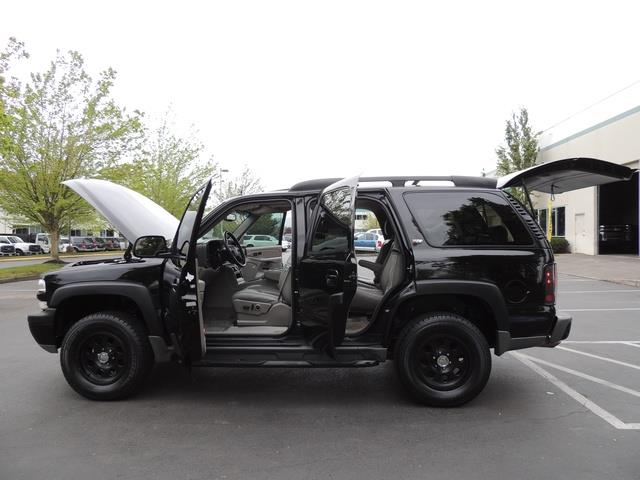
[267, 225]
[559, 245]
[372, 221]
[168, 169]
[521, 149]
[61, 124]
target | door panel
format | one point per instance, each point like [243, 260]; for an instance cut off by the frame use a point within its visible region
[260, 259]
[181, 276]
[328, 270]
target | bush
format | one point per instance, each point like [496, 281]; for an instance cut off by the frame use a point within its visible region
[559, 245]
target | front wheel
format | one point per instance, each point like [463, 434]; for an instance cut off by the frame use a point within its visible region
[106, 356]
[19, 252]
[443, 360]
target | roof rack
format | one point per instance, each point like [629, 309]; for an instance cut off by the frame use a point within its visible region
[402, 181]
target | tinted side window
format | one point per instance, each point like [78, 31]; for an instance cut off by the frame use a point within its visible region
[334, 228]
[463, 218]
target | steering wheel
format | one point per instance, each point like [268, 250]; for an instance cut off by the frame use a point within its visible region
[234, 249]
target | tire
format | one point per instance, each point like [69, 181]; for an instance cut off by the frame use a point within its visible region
[19, 253]
[456, 361]
[249, 246]
[122, 361]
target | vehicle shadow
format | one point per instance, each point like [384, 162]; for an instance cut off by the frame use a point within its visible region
[286, 388]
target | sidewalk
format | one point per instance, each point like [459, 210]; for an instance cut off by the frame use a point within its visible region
[624, 269]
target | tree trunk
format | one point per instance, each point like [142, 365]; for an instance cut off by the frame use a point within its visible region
[55, 241]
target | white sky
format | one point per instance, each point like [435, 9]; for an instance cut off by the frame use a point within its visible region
[299, 90]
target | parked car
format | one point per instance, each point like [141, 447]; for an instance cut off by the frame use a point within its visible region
[619, 238]
[259, 241]
[100, 243]
[368, 242]
[43, 239]
[112, 243]
[6, 247]
[286, 242]
[464, 269]
[64, 244]
[82, 244]
[377, 231]
[20, 246]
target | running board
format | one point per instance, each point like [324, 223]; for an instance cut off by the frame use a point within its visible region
[291, 356]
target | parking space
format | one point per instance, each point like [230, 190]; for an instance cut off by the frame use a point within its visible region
[559, 414]
[599, 366]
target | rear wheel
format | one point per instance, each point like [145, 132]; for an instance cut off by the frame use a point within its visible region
[443, 360]
[106, 356]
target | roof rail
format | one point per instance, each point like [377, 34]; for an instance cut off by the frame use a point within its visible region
[402, 181]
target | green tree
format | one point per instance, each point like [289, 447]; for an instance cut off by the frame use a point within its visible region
[168, 169]
[58, 125]
[521, 147]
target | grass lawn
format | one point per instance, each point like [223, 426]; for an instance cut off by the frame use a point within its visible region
[26, 271]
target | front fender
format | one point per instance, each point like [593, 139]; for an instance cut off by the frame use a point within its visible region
[136, 292]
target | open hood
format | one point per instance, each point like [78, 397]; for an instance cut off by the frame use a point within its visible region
[134, 215]
[562, 176]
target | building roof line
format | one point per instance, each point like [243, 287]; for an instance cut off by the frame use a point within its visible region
[592, 128]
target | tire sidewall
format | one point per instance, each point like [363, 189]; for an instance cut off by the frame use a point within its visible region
[137, 357]
[477, 349]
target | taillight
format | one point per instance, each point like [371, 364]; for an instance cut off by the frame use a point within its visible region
[379, 243]
[550, 283]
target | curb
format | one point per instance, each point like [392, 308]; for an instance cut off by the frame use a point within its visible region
[25, 258]
[630, 282]
[21, 279]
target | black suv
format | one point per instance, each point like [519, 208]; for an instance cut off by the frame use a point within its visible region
[464, 268]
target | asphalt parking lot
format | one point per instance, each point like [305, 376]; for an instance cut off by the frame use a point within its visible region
[570, 412]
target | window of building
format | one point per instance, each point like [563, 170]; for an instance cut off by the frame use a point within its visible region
[557, 221]
[459, 218]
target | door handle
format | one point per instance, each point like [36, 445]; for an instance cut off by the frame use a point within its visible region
[331, 278]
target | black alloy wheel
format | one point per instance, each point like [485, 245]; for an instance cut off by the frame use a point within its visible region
[106, 355]
[442, 359]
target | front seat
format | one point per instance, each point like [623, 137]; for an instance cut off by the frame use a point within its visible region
[368, 296]
[266, 302]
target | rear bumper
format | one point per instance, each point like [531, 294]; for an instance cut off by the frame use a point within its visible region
[42, 327]
[560, 331]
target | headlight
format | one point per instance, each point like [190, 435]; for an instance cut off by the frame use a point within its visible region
[41, 294]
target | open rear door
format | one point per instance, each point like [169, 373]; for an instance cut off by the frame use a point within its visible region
[328, 270]
[562, 176]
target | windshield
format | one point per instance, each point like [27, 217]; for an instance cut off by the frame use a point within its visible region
[15, 240]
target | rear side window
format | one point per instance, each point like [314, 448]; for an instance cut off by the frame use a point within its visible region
[466, 219]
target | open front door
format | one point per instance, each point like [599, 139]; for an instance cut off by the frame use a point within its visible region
[328, 270]
[562, 176]
[181, 276]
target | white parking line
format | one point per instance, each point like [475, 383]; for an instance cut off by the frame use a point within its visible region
[601, 341]
[606, 359]
[597, 291]
[581, 399]
[632, 344]
[599, 309]
[586, 376]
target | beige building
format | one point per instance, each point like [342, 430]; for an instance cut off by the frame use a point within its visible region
[603, 219]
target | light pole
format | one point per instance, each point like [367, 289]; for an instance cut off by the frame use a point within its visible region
[222, 170]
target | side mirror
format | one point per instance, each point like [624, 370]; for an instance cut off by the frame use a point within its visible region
[231, 217]
[149, 246]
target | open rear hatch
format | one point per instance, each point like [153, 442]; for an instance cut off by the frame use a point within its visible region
[565, 175]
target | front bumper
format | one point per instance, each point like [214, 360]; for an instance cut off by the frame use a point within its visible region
[42, 327]
[560, 331]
